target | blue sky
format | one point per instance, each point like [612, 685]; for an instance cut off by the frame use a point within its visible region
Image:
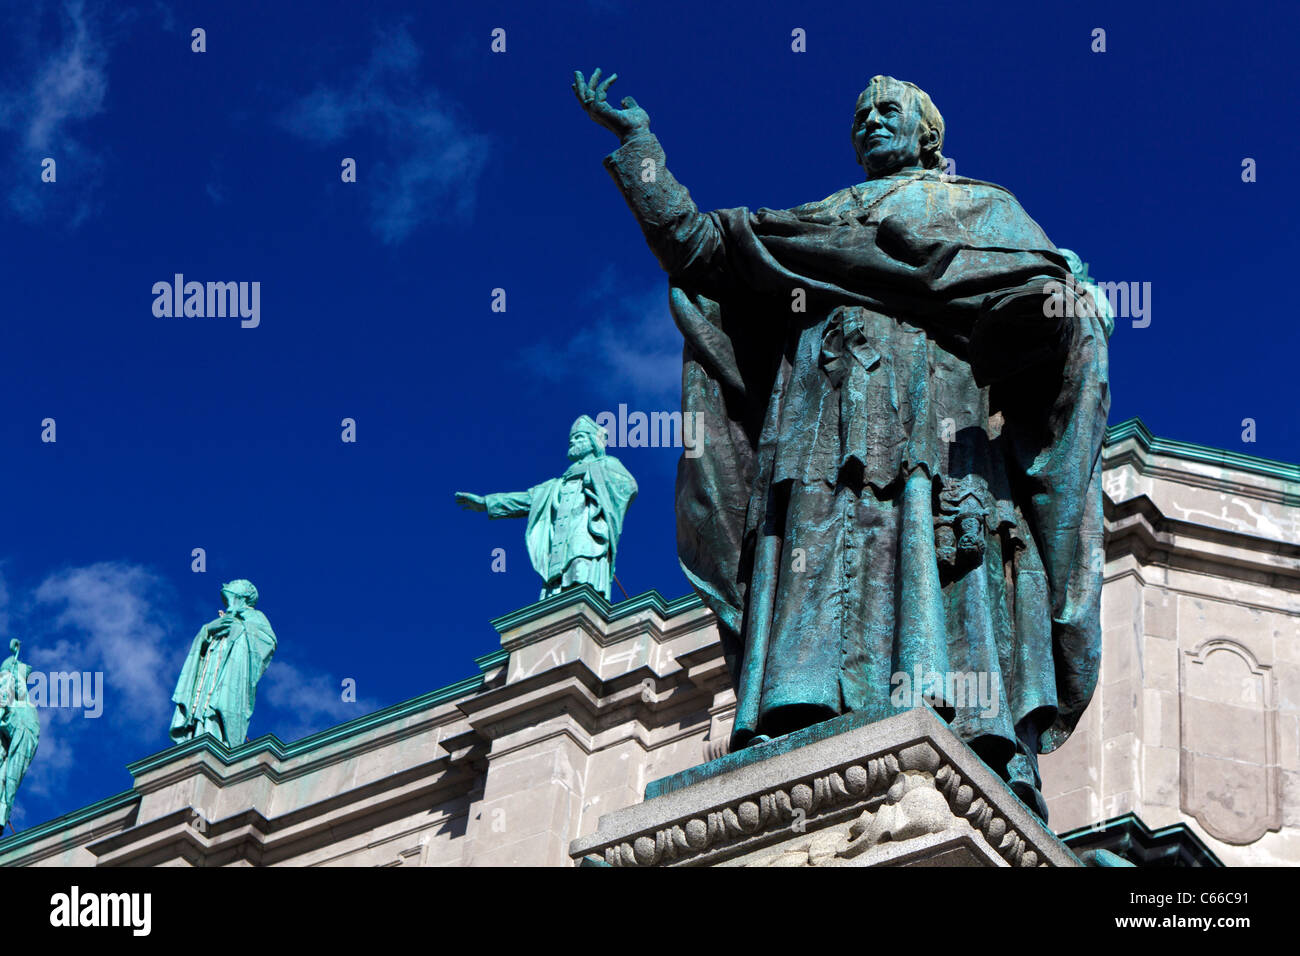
[478, 171]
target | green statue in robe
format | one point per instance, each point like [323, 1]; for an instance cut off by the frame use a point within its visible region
[20, 729]
[575, 520]
[218, 684]
[900, 499]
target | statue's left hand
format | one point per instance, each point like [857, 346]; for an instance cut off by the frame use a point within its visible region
[471, 502]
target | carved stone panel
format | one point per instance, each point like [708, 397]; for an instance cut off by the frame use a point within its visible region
[1229, 771]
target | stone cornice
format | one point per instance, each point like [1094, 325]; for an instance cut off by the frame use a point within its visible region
[1138, 526]
[276, 749]
[575, 691]
[254, 837]
[1129, 837]
[1131, 443]
[610, 613]
[111, 810]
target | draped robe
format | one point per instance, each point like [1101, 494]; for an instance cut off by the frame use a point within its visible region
[217, 688]
[20, 732]
[901, 467]
[574, 522]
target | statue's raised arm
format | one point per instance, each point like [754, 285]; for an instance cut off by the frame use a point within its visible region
[898, 410]
[687, 242]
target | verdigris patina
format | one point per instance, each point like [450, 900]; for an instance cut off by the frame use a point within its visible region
[899, 495]
[574, 521]
[218, 684]
[20, 729]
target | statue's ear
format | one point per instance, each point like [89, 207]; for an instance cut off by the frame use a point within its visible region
[930, 141]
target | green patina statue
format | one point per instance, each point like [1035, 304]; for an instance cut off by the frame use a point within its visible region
[20, 729]
[574, 521]
[899, 498]
[218, 684]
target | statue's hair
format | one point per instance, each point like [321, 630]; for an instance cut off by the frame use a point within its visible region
[244, 588]
[931, 118]
[14, 644]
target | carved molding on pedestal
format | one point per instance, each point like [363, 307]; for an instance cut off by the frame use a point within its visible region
[891, 795]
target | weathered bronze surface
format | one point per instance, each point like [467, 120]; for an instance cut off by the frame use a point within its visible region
[904, 399]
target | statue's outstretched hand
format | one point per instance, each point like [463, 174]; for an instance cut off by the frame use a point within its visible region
[471, 502]
[591, 94]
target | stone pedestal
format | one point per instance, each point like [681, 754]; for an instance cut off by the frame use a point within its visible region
[898, 792]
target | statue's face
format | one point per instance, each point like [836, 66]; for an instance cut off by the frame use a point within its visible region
[579, 446]
[888, 131]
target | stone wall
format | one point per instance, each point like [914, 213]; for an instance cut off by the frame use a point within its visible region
[1196, 718]
[582, 706]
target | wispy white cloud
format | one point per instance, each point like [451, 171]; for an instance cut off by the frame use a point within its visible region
[107, 617]
[58, 81]
[430, 160]
[306, 700]
[625, 341]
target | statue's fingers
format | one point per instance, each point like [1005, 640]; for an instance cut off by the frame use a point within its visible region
[595, 78]
[605, 86]
[580, 88]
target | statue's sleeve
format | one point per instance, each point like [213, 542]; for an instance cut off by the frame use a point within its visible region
[263, 639]
[509, 504]
[689, 244]
[1017, 331]
[619, 480]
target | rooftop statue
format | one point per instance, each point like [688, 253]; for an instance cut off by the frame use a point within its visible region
[574, 521]
[20, 729]
[218, 684]
[898, 499]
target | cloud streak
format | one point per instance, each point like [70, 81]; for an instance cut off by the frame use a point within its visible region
[626, 342]
[50, 89]
[117, 618]
[429, 161]
[310, 700]
[105, 617]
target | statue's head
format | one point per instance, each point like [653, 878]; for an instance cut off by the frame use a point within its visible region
[586, 439]
[239, 593]
[896, 127]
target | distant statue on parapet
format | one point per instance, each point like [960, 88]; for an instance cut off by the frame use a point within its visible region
[218, 684]
[574, 521]
[20, 729]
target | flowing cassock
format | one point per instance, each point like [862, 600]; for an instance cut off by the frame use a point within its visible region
[574, 522]
[218, 684]
[901, 468]
[20, 732]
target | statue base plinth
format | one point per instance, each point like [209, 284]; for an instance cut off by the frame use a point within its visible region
[904, 791]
